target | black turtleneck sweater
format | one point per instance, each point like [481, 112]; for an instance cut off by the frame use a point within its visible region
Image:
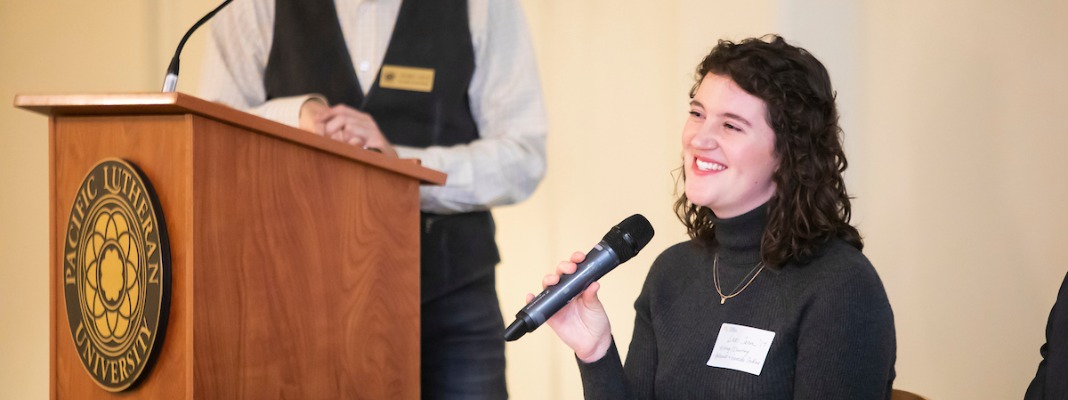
[834, 330]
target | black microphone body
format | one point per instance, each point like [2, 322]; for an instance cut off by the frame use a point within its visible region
[619, 245]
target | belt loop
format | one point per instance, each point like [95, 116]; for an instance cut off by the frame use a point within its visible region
[428, 221]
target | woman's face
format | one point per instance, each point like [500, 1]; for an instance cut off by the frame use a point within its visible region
[728, 149]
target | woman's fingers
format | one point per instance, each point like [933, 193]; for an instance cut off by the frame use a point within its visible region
[549, 280]
[563, 268]
[566, 267]
[577, 257]
[590, 295]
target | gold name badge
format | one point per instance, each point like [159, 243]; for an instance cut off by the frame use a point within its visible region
[407, 78]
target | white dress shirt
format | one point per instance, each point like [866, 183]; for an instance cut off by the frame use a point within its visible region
[503, 166]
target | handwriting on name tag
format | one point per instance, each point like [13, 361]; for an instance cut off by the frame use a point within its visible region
[741, 348]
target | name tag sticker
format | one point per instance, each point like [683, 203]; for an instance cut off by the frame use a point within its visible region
[406, 78]
[741, 348]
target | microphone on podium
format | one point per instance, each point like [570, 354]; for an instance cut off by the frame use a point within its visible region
[620, 244]
[170, 82]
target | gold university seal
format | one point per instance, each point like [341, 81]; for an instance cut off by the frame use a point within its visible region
[116, 274]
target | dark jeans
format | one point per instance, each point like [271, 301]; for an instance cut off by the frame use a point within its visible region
[463, 344]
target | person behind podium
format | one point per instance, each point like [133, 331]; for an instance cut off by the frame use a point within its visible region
[771, 298]
[450, 82]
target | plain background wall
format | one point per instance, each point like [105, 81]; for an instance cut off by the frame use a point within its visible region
[951, 111]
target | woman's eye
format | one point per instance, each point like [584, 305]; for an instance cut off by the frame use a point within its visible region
[695, 113]
[732, 127]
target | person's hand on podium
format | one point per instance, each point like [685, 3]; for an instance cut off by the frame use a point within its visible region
[344, 124]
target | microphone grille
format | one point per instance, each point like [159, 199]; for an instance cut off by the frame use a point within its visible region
[630, 236]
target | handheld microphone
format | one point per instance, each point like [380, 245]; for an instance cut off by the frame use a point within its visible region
[171, 81]
[620, 244]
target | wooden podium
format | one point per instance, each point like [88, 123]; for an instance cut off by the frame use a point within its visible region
[294, 258]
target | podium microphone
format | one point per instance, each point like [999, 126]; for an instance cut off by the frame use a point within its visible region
[620, 244]
[171, 81]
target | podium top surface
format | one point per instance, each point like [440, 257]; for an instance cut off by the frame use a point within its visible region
[180, 103]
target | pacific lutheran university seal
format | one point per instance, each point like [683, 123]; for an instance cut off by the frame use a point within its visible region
[116, 274]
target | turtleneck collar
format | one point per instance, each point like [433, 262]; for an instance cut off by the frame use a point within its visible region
[739, 237]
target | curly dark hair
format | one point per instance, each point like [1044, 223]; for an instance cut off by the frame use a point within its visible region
[810, 204]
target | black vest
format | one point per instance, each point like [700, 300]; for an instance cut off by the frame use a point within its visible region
[308, 55]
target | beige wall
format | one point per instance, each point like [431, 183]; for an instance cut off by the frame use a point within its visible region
[951, 115]
[963, 201]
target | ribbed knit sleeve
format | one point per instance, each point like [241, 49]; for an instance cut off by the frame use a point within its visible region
[846, 344]
[603, 379]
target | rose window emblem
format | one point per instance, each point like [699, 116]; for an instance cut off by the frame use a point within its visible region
[112, 283]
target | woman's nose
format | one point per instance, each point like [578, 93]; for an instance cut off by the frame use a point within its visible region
[704, 138]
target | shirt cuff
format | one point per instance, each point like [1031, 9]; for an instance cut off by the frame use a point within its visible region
[286, 110]
[459, 176]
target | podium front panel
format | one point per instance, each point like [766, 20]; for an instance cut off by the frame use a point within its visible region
[294, 271]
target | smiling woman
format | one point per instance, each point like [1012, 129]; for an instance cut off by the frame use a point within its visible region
[728, 149]
[787, 94]
[772, 297]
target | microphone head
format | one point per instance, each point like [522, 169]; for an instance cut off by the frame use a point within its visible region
[629, 236]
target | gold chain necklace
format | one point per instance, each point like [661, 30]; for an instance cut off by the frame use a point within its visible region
[715, 278]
